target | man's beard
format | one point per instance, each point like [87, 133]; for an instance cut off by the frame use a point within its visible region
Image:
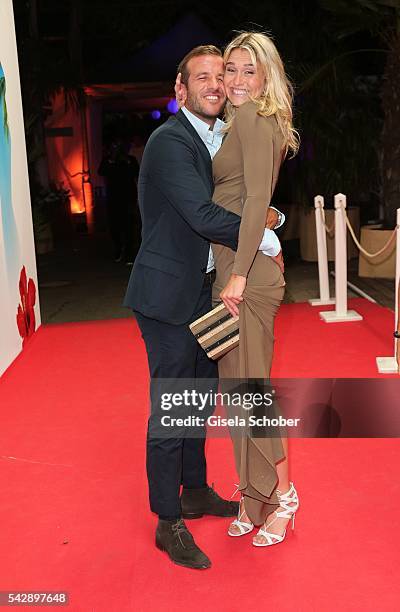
[193, 103]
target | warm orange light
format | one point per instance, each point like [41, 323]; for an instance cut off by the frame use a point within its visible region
[77, 207]
[66, 156]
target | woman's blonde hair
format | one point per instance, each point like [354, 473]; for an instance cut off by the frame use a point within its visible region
[277, 95]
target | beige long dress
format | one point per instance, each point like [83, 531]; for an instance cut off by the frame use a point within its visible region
[245, 171]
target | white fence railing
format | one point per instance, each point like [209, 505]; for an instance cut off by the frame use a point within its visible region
[341, 313]
[323, 272]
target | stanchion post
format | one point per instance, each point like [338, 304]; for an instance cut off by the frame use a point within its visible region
[323, 273]
[388, 365]
[340, 314]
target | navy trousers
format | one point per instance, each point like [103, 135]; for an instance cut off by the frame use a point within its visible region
[174, 353]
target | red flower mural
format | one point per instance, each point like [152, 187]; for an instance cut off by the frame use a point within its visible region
[26, 313]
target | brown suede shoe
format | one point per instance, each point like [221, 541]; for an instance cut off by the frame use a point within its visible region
[176, 540]
[195, 503]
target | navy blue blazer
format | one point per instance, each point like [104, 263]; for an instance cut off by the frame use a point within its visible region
[179, 219]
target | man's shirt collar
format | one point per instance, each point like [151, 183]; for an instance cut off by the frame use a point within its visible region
[205, 132]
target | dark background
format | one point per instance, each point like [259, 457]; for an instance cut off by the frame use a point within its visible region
[335, 52]
[342, 56]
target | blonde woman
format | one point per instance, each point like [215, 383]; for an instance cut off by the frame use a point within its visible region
[259, 134]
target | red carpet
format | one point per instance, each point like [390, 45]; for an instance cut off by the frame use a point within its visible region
[74, 512]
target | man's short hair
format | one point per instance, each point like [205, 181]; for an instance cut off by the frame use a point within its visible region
[196, 52]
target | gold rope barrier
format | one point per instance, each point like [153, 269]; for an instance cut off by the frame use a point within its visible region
[330, 231]
[360, 248]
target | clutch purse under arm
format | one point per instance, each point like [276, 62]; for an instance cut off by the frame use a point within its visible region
[217, 331]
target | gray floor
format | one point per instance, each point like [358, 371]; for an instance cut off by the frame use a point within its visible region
[79, 281]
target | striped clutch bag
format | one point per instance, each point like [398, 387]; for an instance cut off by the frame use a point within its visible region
[217, 331]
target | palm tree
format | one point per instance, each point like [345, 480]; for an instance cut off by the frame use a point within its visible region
[382, 18]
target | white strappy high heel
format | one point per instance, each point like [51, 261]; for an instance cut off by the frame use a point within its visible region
[289, 501]
[243, 526]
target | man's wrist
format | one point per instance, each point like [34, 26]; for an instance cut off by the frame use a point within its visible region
[281, 218]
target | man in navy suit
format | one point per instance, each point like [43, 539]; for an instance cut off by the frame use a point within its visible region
[170, 286]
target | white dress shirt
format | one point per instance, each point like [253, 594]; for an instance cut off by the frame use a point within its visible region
[212, 138]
